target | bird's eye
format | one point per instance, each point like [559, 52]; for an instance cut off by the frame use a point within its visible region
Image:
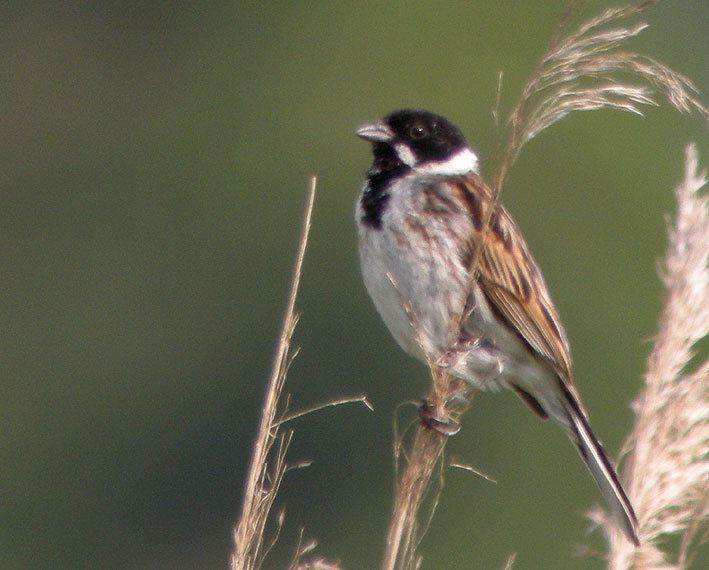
[418, 132]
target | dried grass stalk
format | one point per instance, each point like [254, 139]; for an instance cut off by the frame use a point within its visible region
[447, 402]
[268, 465]
[668, 449]
[413, 485]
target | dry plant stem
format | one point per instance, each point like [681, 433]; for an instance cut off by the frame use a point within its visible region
[510, 562]
[412, 485]
[426, 452]
[668, 458]
[263, 478]
[448, 400]
[329, 404]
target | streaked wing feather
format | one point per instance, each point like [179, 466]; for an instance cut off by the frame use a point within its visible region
[512, 282]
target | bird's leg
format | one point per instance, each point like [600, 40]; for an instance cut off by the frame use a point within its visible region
[449, 398]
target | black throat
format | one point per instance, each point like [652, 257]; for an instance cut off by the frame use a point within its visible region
[386, 168]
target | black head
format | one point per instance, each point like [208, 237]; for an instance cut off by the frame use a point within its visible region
[410, 142]
[417, 138]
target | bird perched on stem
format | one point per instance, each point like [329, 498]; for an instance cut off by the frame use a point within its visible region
[452, 278]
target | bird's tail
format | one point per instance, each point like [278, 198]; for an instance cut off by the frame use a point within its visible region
[593, 454]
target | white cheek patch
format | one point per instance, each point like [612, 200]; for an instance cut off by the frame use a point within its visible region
[462, 162]
[405, 154]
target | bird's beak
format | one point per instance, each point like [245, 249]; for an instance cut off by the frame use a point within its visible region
[375, 132]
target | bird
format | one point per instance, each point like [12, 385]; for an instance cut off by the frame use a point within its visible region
[454, 281]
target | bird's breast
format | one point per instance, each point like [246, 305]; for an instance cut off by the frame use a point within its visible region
[413, 266]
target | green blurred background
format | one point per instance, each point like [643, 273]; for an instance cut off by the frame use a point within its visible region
[155, 157]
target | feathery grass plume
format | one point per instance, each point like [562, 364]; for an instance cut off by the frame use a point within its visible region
[581, 71]
[268, 464]
[668, 449]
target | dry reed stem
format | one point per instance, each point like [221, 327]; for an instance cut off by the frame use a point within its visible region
[414, 482]
[265, 475]
[509, 563]
[668, 449]
[412, 486]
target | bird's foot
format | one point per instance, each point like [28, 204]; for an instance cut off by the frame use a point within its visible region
[436, 420]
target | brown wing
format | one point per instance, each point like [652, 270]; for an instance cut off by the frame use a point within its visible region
[511, 280]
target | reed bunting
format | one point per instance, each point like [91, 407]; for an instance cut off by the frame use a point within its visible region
[452, 277]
